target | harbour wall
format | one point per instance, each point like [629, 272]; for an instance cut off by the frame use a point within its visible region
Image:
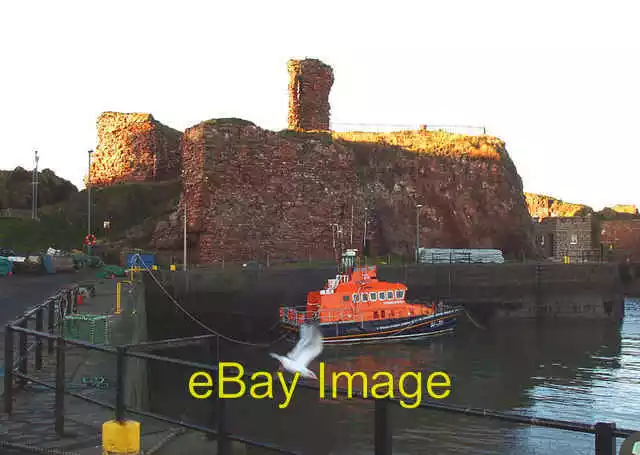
[246, 302]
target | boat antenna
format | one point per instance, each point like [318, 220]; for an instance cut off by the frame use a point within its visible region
[364, 238]
[351, 228]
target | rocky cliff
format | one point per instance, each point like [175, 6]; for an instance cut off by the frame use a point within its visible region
[543, 206]
[252, 193]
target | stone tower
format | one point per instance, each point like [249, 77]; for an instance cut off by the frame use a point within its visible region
[310, 82]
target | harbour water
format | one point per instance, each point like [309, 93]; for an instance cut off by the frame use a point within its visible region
[577, 371]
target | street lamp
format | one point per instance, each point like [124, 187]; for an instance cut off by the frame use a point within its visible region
[89, 202]
[418, 206]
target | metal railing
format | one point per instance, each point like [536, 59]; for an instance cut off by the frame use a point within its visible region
[62, 303]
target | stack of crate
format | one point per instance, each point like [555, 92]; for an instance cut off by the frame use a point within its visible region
[92, 328]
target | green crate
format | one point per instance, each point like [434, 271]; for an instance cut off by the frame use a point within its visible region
[92, 328]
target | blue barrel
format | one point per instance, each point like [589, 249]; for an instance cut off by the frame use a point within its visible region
[142, 260]
[47, 260]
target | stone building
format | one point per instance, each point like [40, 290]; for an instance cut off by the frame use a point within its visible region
[621, 239]
[576, 237]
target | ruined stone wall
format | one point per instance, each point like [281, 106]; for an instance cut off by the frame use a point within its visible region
[134, 147]
[310, 82]
[253, 193]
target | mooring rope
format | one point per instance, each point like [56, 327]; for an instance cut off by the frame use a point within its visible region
[200, 323]
[473, 321]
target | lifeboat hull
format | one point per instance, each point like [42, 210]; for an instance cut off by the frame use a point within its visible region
[375, 331]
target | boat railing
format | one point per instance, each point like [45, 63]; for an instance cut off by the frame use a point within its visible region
[300, 314]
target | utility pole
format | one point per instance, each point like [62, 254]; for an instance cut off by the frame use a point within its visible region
[418, 233]
[34, 197]
[89, 202]
[184, 253]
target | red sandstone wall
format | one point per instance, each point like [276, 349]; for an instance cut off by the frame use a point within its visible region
[252, 193]
[624, 235]
[134, 147]
[310, 82]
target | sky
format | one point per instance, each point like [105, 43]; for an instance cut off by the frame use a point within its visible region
[558, 81]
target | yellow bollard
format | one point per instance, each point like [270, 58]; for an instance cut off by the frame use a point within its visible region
[118, 291]
[172, 267]
[120, 438]
[154, 267]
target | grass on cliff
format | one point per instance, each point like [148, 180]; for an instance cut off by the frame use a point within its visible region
[438, 143]
[132, 208]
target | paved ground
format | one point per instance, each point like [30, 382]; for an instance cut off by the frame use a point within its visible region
[32, 422]
[19, 292]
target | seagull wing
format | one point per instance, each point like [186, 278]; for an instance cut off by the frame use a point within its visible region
[305, 336]
[312, 346]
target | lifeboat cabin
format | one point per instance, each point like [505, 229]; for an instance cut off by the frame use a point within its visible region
[357, 307]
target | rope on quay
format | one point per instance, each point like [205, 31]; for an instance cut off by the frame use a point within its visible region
[163, 442]
[200, 323]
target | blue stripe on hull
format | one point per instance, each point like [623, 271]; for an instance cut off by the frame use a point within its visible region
[386, 330]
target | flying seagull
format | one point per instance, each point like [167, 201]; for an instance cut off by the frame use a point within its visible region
[308, 348]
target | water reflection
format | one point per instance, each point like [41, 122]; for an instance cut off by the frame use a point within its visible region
[580, 371]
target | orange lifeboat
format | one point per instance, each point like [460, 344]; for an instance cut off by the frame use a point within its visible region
[356, 306]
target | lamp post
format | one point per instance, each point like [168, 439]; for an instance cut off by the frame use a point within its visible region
[184, 247]
[34, 198]
[418, 206]
[89, 202]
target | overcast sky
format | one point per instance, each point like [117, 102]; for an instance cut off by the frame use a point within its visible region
[558, 81]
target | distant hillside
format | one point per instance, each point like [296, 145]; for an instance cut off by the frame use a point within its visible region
[16, 189]
[542, 206]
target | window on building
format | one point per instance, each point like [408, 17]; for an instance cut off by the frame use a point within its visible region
[574, 239]
[373, 296]
[381, 295]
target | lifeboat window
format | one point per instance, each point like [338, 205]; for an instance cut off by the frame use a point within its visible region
[390, 295]
[355, 297]
[365, 297]
[381, 295]
[373, 296]
[399, 294]
[382, 314]
[375, 315]
[345, 298]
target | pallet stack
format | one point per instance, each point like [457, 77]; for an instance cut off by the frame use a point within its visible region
[92, 328]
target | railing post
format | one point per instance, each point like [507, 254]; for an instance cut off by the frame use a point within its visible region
[8, 369]
[224, 446]
[23, 355]
[51, 323]
[60, 386]
[605, 440]
[382, 428]
[39, 323]
[120, 374]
